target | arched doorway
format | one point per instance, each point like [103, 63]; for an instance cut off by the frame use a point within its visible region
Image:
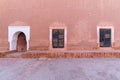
[21, 42]
[14, 37]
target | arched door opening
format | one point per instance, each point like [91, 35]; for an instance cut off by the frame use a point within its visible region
[21, 42]
[19, 37]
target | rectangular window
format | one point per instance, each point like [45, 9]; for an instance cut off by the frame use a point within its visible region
[58, 38]
[105, 37]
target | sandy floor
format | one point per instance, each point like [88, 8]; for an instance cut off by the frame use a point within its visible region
[59, 69]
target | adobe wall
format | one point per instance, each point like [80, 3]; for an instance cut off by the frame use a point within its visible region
[81, 18]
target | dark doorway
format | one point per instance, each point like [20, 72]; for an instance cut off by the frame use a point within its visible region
[21, 43]
[58, 38]
[105, 37]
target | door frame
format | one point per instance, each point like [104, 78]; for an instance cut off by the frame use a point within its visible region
[65, 38]
[98, 35]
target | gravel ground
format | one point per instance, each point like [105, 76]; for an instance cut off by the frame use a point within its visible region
[59, 69]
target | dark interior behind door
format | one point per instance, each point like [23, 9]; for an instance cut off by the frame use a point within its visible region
[58, 38]
[105, 37]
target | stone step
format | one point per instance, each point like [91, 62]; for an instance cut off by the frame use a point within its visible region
[81, 54]
[64, 54]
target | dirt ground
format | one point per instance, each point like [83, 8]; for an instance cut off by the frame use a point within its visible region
[60, 69]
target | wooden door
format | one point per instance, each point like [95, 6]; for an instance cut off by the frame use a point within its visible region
[58, 38]
[21, 42]
[105, 37]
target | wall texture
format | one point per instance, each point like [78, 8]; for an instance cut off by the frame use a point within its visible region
[81, 17]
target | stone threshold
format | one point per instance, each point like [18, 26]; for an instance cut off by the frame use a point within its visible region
[64, 54]
[73, 54]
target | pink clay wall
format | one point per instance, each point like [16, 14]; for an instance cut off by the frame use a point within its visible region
[81, 18]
